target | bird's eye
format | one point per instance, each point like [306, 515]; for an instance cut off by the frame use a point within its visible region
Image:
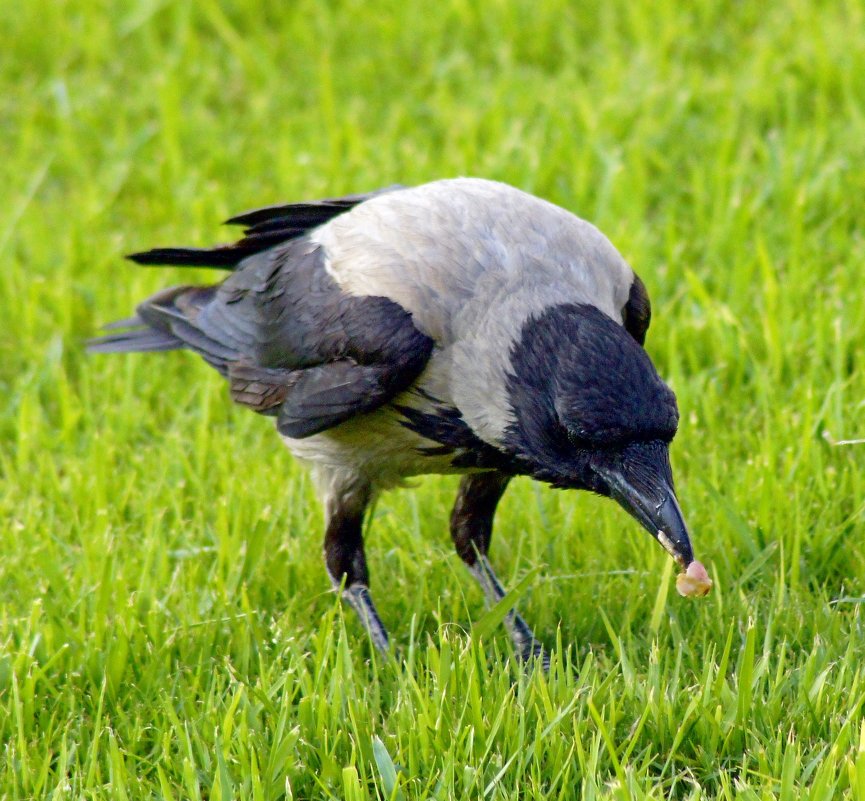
[579, 437]
[599, 439]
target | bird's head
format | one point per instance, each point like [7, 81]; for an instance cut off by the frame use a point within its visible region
[590, 412]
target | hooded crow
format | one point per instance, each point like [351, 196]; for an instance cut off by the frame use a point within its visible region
[462, 326]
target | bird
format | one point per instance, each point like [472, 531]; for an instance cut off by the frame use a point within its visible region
[461, 326]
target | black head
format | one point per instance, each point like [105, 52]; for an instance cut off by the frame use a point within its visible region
[592, 413]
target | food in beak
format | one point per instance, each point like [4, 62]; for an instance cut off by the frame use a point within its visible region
[694, 582]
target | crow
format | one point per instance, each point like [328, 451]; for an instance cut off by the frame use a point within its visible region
[461, 326]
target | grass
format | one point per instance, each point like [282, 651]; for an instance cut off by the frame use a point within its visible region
[165, 629]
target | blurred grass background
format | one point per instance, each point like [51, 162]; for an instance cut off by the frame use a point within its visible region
[165, 625]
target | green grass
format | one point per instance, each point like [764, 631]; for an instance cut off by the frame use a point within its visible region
[165, 625]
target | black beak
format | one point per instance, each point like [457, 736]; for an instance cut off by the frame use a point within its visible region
[640, 479]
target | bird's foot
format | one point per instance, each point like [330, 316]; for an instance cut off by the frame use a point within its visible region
[526, 645]
[533, 651]
[361, 601]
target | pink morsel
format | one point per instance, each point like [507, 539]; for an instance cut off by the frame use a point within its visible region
[694, 582]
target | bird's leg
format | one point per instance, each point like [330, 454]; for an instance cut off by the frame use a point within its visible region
[471, 530]
[345, 561]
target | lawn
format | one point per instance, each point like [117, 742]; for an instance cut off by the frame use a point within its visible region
[166, 625]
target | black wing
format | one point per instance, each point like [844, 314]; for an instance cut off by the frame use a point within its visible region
[289, 340]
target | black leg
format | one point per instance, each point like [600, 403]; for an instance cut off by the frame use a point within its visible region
[473, 512]
[346, 562]
[471, 530]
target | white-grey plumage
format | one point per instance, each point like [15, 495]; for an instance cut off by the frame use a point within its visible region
[472, 260]
[459, 326]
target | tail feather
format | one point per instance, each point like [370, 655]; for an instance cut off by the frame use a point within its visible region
[139, 339]
[265, 228]
[226, 257]
[309, 214]
[167, 321]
